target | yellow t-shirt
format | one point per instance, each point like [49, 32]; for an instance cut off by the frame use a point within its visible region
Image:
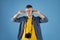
[27, 28]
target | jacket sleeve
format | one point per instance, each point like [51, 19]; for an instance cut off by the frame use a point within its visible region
[18, 19]
[42, 21]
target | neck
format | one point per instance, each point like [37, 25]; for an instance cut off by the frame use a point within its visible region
[29, 16]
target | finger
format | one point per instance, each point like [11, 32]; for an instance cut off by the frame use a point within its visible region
[34, 10]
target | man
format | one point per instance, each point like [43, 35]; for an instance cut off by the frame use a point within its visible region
[30, 25]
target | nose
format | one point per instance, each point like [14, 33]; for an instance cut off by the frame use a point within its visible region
[28, 11]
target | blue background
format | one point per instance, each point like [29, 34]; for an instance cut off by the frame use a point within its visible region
[50, 8]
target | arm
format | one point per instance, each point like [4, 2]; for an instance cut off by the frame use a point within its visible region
[43, 17]
[17, 14]
[15, 17]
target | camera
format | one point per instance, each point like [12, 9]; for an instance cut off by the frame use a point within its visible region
[28, 35]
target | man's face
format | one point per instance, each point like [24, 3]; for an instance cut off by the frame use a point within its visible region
[29, 11]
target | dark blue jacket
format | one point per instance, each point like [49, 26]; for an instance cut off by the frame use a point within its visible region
[35, 21]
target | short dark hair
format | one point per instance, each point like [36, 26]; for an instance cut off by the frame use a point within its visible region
[28, 6]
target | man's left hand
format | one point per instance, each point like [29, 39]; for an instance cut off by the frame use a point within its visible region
[36, 11]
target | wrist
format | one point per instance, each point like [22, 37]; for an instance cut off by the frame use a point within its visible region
[38, 12]
[18, 13]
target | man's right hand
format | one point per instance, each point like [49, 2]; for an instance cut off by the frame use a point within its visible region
[18, 13]
[21, 12]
